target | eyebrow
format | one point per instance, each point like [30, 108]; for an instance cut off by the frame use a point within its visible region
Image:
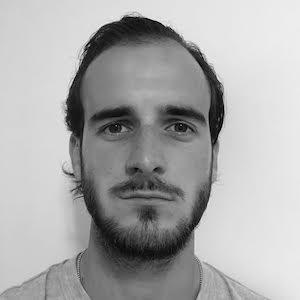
[165, 110]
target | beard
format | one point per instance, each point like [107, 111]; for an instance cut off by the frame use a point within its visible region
[144, 243]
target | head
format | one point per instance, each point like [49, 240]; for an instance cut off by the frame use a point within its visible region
[145, 110]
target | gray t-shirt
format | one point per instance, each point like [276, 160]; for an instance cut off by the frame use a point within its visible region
[60, 282]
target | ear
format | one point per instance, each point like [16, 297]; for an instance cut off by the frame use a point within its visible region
[215, 152]
[74, 151]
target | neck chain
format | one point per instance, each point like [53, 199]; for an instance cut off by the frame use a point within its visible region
[79, 257]
[78, 261]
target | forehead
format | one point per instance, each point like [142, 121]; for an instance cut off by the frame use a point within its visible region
[145, 77]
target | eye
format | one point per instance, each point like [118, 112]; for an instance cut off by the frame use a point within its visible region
[114, 128]
[181, 127]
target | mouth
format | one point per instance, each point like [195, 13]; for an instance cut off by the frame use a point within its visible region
[146, 196]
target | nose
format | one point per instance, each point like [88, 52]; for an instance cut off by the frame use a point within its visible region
[146, 155]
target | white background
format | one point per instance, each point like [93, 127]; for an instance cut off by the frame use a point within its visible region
[250, 230]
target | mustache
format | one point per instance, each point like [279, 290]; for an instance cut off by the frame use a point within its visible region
[146, 183]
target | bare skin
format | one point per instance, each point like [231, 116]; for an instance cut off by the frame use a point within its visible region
[145, 78]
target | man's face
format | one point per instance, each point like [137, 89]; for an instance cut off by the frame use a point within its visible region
[149, 150]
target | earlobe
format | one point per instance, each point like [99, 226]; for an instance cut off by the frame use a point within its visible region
[215, 152]
[74, 151]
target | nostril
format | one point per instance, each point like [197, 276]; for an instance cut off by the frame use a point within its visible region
[158, 170]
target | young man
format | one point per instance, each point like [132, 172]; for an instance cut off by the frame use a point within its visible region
[144, 110]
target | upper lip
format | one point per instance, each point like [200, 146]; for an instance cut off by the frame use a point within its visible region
[146, 195]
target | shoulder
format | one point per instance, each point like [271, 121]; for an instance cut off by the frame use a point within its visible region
[38, 286]
[34, 288]
[223, 287]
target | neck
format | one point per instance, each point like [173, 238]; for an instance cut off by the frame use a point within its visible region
[107, 278]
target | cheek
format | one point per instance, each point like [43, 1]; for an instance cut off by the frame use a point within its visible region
[102, 161]
[193, 163]
[191, 171]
